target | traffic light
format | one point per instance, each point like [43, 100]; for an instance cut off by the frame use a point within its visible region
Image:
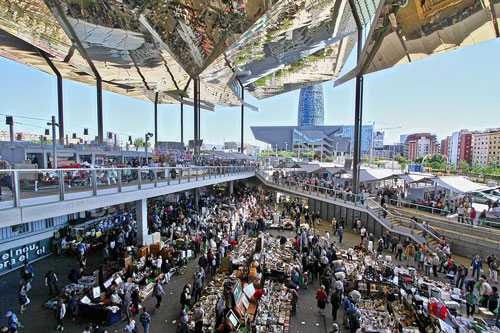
[9, 120]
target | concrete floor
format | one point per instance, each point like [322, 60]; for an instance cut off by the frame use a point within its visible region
[38, 319]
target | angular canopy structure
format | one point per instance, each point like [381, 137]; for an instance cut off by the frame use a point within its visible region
[142, 47]
[408, 30]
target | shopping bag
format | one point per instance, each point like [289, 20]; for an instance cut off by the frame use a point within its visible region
[405, 257]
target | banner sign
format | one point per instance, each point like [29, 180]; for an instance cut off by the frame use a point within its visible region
[14, 258]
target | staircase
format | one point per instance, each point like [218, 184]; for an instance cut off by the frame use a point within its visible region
[404, 221]
[395, 224]
[443, 226]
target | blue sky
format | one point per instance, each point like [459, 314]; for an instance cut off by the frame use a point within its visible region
[440, 94]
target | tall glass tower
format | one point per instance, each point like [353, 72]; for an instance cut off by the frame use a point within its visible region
[311, 106]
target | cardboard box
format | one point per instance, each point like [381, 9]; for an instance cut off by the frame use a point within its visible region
[155, 248]
[127, 261]
[143, 251]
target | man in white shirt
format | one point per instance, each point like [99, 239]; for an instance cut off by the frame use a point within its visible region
[158, 263]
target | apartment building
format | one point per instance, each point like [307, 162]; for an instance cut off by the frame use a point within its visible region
[480, 149]
[494, 146]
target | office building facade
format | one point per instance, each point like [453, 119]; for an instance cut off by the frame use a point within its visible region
[366, 137]
[311, 110]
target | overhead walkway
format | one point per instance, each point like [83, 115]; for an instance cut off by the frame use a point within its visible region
[43, 194]
[349, 201]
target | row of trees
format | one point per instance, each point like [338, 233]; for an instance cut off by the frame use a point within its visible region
[438, 163]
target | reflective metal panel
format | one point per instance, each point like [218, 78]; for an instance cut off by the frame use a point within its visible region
[423, 28]
[32, 21]
[20, 51]
[196, 31]
[272, 56]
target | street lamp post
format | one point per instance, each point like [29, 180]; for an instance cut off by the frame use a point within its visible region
[321, 156]
[393, 155]
[54, 148]
[337, 152]
[286, 146]
[147, 137]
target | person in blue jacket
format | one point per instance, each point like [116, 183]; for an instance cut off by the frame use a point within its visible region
[477, 264]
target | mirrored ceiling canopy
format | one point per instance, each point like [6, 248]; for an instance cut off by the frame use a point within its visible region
[411, 30]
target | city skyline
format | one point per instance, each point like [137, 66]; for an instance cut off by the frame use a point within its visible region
[455, 93]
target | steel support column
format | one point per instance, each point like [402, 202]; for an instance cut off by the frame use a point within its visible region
[182, 123]
[156, 120]
[242, 115]
[60, 107]
[100, 121]
[60, 100]
[196, 109]
[358, 112]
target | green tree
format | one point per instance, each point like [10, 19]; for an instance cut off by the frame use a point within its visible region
[464, 166]
[476, 167]
[139, 142]
[436, 158]
[435, 165]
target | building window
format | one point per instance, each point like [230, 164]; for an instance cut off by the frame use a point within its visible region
[49, 223]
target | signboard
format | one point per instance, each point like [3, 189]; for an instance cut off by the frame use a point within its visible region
[14, 258]
[347, 164]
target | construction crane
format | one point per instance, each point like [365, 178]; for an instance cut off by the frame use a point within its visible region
[380, 129]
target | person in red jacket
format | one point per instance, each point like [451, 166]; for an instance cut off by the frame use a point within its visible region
[321, 297]
[258, 294]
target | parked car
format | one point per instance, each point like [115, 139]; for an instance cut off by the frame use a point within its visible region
[482, 198]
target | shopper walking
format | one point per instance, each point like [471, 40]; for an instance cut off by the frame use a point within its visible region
[295, 299]
[399, 251]
[145, 320]
[23, 298]
[477, 265]
[12, 322]
[335, 300]
[494, 270]
[51, 282]
[461, 275]
[321, 297]
[158, 291]
[435, 264]
[60, 312]
[427, 265]
[127, 300]
[27, 274]
[198, 316]
[470, 302]
[341, 234]
[184, 320]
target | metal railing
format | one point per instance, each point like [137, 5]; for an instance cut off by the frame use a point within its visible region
[388, 220]
[34, 186]
[440, 213]
[404, 221]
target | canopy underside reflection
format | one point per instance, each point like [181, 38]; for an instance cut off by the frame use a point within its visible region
[425, 28]
[138, 48]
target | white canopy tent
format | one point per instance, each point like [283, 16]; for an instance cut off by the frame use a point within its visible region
[458, 184]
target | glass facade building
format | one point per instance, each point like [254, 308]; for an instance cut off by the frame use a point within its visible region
[311, 106]
[366, 137]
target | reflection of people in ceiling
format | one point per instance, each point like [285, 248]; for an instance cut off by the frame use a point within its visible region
[432, 15]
